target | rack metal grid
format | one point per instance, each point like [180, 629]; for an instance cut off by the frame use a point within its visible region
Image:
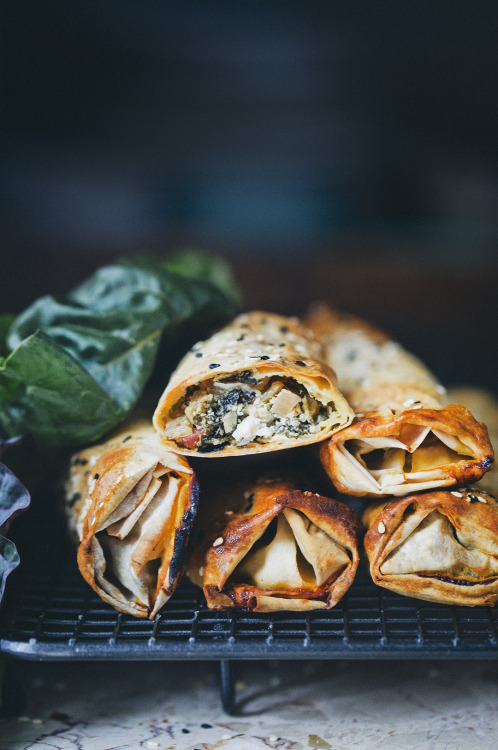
[49, 612]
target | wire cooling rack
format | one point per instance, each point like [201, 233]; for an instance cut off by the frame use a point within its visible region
[49, 612]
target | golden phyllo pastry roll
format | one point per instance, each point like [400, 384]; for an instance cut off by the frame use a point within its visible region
[268, 546]
[441, 546]
[260, 384]
[484, 406]
[405, 437]
[130, 505]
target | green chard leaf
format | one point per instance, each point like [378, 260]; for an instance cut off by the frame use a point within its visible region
[77, 364]
[14, 498]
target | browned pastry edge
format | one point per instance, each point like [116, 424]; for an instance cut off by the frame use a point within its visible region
[270, 498]
[453, 419]
[462, 507]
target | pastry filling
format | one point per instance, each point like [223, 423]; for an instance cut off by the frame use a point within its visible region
[238, 410]
[410, 456]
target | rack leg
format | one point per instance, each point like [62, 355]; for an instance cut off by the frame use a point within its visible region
[227, 686]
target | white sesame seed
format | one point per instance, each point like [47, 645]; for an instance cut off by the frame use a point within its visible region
[481, 499]
[468, 499]
[440, 389]
[273, 738]
[229, 512]
[457, 494]
[201, 572]
[408, 402]
[381, 528]
[218, 541]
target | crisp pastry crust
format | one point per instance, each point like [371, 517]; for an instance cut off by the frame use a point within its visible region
[484, 406]
[440, 546]
[130, 505]
[265, 546]
[405, 436]
[260, 384]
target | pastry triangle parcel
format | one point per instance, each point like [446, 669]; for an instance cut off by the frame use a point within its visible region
[405, 437]
[130, 505]
[265, 546]
[259, 384]
[441, 546]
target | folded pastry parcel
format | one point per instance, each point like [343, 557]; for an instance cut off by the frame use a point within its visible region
[484, 406]
[441, 546]
[260, 384]
[130, 504]
[405, 437]
[268, 546]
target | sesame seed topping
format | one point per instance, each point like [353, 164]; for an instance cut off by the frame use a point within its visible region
[213, 365]
[283, 329]
[199, 354]
[300, 362]
[229, 512]
[201, 572]
[381, 528]
[408, 402]
[282, 344]
[481, 499]
[472, 498]
[265, 356]
[457, 494]
[218, 542]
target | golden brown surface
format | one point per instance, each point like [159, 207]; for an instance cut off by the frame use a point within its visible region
[130, 504]
[404, 438]
[270, 346]
[236, 516]
[440, 546]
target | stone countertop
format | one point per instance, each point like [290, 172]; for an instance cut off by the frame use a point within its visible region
[296, 705]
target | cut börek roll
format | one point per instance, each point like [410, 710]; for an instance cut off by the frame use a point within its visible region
[130, 504]
[405, 437]
[259, 384]
[441, 546]
[265, 546]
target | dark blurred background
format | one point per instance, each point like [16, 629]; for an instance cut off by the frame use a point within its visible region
[360, 135]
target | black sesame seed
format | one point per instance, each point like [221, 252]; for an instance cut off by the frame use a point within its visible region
[127, 438]
[207, 726]
[80, 461]
[75, 498]
[250, 503]
[264, 357]
[300, 362]
[199, 354]
[186, 731]
[241, 337]
[213, 365]
[281, 344]
[96, 476]
[472, 498]
[283, 329]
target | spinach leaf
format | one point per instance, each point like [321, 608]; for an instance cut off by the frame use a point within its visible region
[78, 363]
[196, 264]
[14, 498]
